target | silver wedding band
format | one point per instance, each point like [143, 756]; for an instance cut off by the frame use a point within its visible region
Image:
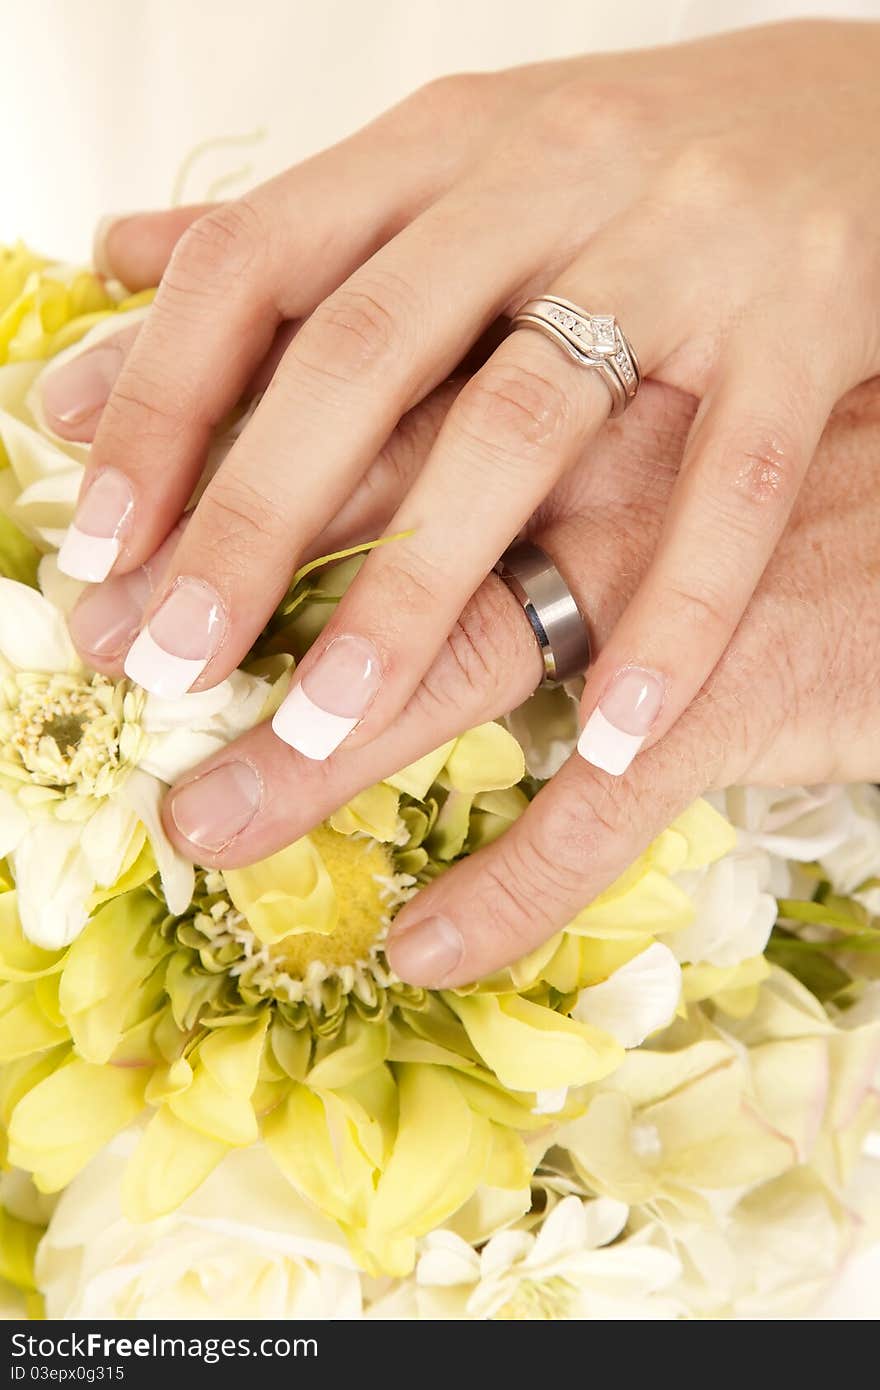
[594, 340]
[557, 622]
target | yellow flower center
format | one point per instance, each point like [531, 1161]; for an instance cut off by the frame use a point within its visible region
[361, 870]
[66, 733]
[539, 1300]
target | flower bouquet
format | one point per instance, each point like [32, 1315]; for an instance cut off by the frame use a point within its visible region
[216, 1098]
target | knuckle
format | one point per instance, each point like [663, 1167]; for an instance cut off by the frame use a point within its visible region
[222, 244]
[237, 514]
[697, 609]
[613, 112]
[479, 645]
[413, 582]
[470, 674]
[768, 473]
[358, 331]
[510, 410]
[831, 245]
[706, 171]
[447, 99]
[760, 465]
[147, 407]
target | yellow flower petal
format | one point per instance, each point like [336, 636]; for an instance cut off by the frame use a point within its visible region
[373, 812]
[440, 1156]
[59, 1125]
[25, 1028]
[485, 759]
[419, 777]
[530, 1047]
[288, 893]
[331, 1170]
[102, 985]
[170, 1162]
[226, 1068]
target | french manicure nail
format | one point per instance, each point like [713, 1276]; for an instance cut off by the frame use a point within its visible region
[182, 636]
[106, 619]
[78, 391]
[213, 809]
[332, 697]
[426, 952]
[622, 720]
[92, 543]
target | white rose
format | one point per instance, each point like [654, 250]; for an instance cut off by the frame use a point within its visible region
[245, 1245]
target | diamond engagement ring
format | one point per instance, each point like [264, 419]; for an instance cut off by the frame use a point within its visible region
[593, 340]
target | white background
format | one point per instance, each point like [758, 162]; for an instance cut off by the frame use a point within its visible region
[101, 100]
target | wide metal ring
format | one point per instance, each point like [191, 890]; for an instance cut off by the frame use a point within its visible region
[593, 340]
[550, 606]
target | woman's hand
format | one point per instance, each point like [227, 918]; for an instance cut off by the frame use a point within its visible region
[717, 197]
[794, 698]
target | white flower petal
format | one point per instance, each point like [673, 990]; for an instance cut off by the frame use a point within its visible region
[144, 795]
[447, 1260]
[33, 633]
[605, 1219]
[503, 1250]
[550, 1101]
[105, 840]
[53, 882]
[244, 1245]
[858, 857]
[13, 824]
[733, 914]
[170, 755]
[546, 728]
[187, 712]
[563, 1232]
[58, 588]
[800, 823]
[186, 731]
[637, 999]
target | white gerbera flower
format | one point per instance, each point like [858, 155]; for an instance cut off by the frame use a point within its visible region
[83, 763]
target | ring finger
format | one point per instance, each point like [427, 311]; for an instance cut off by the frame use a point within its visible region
[515, 429]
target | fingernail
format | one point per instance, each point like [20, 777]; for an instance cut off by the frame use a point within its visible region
[622, 720]
[100, 259]
[77, 392]
[216, 807]
[92, 544]
[106, 619]
[426, 952]
[172, 651]
[332, 697]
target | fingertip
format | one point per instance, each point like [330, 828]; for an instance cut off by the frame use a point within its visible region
[426, 951]
[205, 814]
[106, 618]
[135, 247]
